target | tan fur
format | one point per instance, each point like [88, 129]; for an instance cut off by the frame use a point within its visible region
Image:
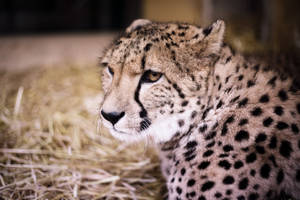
[204, 84]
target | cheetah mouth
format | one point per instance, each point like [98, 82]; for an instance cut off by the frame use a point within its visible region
[112, 128]
[125, 136]
[118, 131]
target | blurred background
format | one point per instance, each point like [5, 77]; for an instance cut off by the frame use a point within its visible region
[76, 30]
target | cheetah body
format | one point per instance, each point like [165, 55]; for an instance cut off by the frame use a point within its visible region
[226, 127]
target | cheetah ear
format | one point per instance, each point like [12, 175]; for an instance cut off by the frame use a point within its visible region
[214, 35]
[137, 24]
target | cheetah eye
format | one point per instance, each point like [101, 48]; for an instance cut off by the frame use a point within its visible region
[150, 76]
[110, 70]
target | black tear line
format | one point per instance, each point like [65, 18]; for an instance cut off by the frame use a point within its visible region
[143, 113]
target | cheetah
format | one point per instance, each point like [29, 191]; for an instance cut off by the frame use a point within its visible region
[226, 127]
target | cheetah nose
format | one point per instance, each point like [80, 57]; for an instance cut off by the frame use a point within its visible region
[113, 117]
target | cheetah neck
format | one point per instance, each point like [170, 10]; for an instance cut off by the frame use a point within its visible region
[223, 91]
[209, 104]
[223, 88]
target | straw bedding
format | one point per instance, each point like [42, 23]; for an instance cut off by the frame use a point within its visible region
[52, 147]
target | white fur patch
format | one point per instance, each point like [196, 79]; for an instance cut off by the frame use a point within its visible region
[161, 130]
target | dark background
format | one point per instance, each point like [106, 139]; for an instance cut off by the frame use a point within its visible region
[39, 16]
[252, 26]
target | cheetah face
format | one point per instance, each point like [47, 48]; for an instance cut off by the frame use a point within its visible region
[153, 74]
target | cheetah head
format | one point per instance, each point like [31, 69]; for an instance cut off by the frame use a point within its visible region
[154, 74]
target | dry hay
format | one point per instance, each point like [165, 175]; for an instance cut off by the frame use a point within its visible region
[50, 147]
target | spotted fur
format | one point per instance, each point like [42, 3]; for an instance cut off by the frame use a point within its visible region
[226, 127]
